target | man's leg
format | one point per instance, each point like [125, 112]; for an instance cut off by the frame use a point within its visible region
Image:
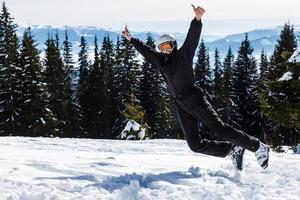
[205, 112]
[189, 126]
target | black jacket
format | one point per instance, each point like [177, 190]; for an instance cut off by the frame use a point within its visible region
[177, 67]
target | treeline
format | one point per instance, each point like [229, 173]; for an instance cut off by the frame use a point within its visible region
[95, 99]
[59, 97]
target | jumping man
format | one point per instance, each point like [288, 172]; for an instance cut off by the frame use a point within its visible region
[191, 104]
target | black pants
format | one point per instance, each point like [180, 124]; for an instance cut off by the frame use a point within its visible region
[194, 107]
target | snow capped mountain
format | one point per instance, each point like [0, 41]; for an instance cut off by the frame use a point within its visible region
[74, 33]
[260, 38]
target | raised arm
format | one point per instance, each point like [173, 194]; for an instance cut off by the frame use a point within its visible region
[192, 39]
[150, 54]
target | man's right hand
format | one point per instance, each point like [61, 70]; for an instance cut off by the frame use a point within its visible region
[126, 33]
[199, 11]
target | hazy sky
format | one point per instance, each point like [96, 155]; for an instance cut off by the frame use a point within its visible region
[221, 17]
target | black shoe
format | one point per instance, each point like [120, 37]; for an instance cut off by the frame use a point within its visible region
[236, 155]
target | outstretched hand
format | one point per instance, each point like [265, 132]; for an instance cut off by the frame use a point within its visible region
[199, 11]
[126, 33]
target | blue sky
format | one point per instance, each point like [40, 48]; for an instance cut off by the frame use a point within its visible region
[222, 16]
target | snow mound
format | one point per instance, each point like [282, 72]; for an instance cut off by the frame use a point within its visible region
[133, 130]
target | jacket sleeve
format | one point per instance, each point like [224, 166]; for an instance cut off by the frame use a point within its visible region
[192, 39]
[150, 54]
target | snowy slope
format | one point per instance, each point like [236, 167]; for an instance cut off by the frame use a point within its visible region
[45, 168]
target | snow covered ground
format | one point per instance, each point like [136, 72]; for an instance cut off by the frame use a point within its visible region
[55, 169]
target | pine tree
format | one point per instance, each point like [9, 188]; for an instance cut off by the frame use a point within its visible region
[127, 80]
[96, 97]
[72, 127]
[118, 95]
[286, 45]
[280, 102]
[265, 76]
[247, 115]
[55, 79]
[107, 63]
[228, 66]
[10, 74]
[264, 66]
[82, 90]
[130, 63]
[68, 65]
[217, 91]
[280, 99]
[35, 118]
[166, 119]
[202, 67]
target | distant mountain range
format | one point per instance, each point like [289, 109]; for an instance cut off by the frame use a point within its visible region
[260, 38]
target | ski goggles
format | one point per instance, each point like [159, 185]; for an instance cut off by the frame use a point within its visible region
[167, 46]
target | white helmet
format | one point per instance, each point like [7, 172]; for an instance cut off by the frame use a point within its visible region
[165, 38]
